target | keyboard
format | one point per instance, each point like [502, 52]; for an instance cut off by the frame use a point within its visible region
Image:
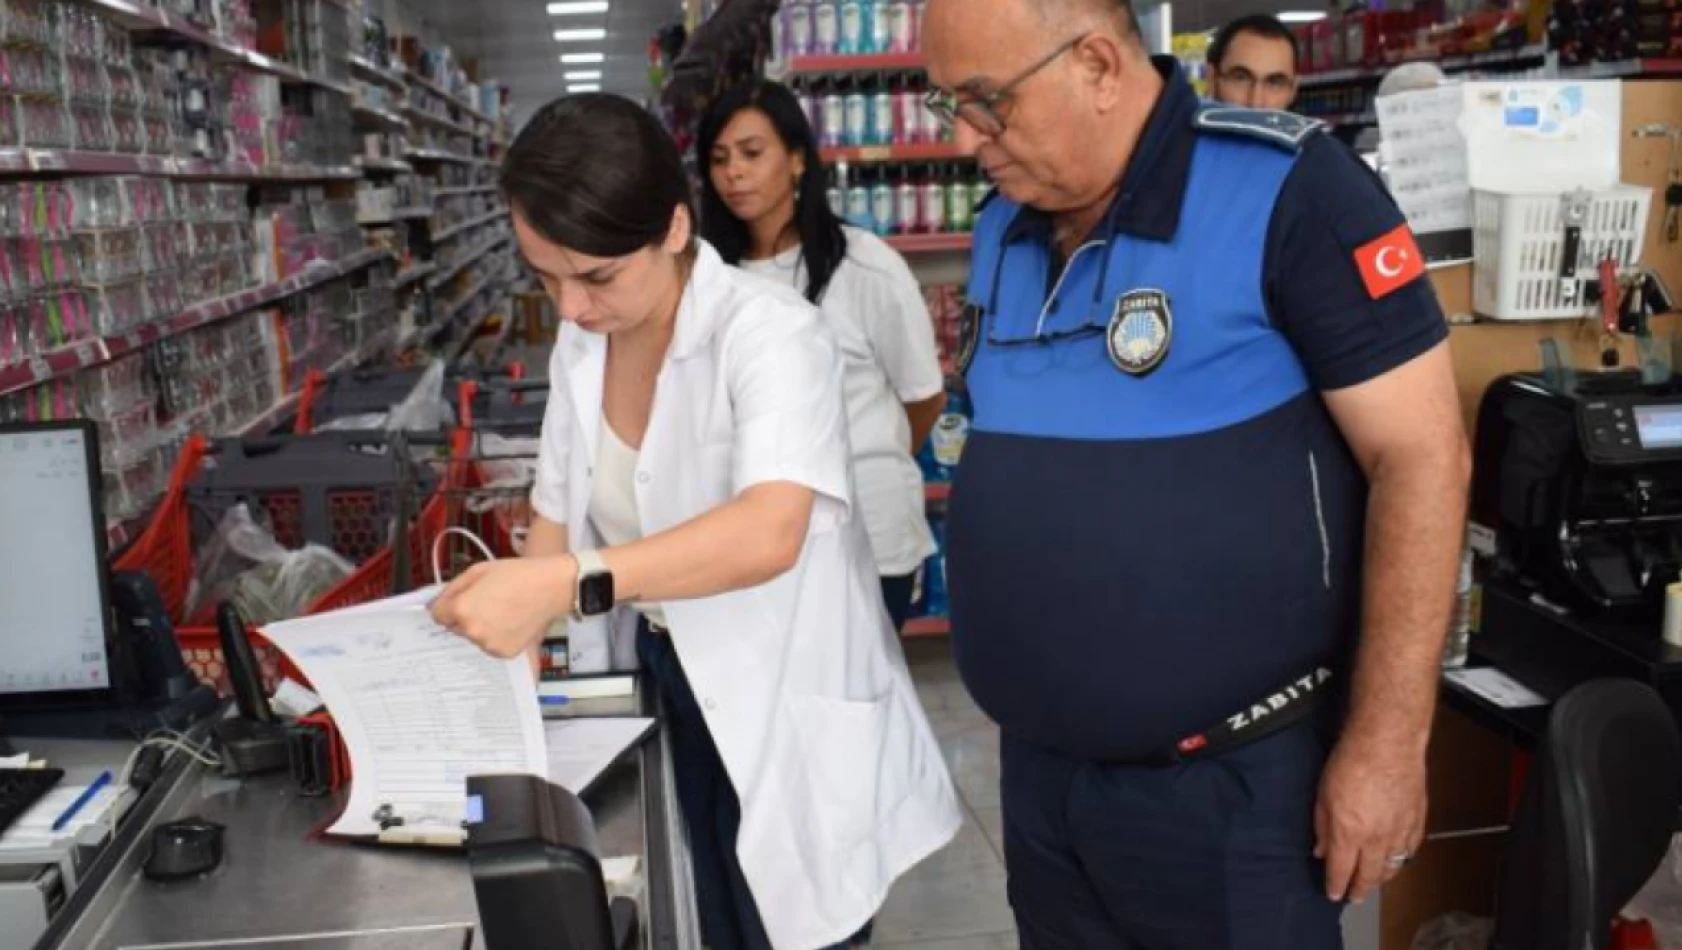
[22, 788]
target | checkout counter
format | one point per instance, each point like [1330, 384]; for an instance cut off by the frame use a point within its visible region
[281, 883]
[1577, 495]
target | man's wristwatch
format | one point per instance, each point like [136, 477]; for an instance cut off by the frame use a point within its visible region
[592, 593]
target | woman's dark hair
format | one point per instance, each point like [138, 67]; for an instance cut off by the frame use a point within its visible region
[822, 243]
[596, 174]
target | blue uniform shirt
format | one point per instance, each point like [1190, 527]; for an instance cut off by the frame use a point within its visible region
[1137, 555]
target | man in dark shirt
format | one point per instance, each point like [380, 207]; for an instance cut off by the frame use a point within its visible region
[1253, 62]
[1204, 541]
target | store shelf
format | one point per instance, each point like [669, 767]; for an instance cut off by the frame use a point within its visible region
[928, 627]
[415, 213]
[474, 190]
[25, 161]
[88, 353]
[1348, 118]
[472, 256]
[451, 232]
[414, 273]
[421, 115]
[935, 152]
[1494, 59]
[384, 165]
[1624, 69]
[390, 120]
[930, 243]
[435, 155]
[817, 65]
[439, 91]
[937, 491]
[454, 309]
[367, 70]
[136, 17]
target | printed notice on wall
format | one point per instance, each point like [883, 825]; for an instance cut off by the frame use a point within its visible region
[1425, 166]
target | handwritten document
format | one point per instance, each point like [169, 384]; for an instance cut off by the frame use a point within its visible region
[1425, 158]
[420, 710]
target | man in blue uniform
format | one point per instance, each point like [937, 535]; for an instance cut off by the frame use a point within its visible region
[1205, 535]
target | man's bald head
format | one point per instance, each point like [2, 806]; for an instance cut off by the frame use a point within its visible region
[1118, 12]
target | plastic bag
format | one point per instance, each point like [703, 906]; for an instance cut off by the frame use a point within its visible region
[509, 467]
[424, 409]
[1659, 902]
[1456, 931]
[244, 563]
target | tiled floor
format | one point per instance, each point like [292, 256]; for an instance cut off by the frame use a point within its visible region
[956, 899]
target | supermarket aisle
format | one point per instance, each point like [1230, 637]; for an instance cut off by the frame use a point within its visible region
[956, 899]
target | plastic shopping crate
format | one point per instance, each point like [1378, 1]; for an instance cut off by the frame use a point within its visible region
[339, 490]
[1519, 244]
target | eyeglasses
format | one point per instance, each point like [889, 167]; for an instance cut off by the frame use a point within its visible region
[1043, 337]
[982, 112]
[1245, 80]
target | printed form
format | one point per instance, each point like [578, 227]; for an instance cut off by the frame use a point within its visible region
[420, 709]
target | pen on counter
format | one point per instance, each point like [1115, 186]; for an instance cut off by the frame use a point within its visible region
[553, 699]
[82, 800]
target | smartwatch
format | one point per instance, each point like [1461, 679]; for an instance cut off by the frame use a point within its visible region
[592, 593]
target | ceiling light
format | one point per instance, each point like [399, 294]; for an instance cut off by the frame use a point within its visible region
[584, 75]
[585, 87]
[1302, 16]
[580, 59]
[576, 36]
[571, 9]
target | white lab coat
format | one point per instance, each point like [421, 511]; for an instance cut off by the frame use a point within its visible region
[802, 681]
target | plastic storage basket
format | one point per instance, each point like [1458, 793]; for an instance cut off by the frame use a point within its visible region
[1518, 243]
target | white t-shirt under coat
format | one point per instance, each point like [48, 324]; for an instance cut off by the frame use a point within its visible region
[877, 314]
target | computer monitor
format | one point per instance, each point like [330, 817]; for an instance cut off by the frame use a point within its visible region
[55, 619]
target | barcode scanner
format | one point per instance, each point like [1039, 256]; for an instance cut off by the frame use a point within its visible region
[255, 742]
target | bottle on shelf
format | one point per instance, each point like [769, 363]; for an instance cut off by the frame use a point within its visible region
[826, 27]
[797, 31]
[856, 129]
[858, 203]
[914, 15]
[959, 209]
[881, 26]
[979, 187]
[908, 202]
[882, 204]
[934, 202]
[834, 116]
[932, 131]
[902, 30]
[881, 112]
[836, 194]
[909, 115]
[853, 28]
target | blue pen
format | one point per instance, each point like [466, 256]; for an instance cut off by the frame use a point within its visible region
[555, 699]
[82, 800]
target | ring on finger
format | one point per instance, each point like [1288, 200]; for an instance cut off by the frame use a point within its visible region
[1399, 860]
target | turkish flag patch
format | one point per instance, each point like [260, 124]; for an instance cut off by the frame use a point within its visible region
[1390, 262]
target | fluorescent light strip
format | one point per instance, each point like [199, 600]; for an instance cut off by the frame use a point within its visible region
[580, 36]
[585, 87]
[581, 59]
[573, 9]
[584, 75]
[1301, 16]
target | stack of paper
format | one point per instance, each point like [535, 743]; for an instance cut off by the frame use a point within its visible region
[421, 709]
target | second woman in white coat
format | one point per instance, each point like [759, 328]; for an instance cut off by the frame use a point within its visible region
[763, 208]
[694, 470]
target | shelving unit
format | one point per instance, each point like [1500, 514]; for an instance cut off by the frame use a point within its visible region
[936, 152]
[872, 63]
[930, 243]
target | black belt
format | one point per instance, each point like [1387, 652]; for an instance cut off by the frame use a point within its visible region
[1275, 712]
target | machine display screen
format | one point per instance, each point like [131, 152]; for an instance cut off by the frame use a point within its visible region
[1660, 427]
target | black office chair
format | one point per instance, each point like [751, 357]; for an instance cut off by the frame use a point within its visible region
[1595, 818]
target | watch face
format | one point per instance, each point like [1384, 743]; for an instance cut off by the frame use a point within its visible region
[595, 594]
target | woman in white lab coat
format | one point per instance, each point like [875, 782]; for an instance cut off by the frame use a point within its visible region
[694, 474]
[763, 206]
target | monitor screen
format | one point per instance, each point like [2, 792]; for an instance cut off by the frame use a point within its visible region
[52, 549]
[1660, 427]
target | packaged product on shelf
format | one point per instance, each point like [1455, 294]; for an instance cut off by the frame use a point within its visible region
[118, 307]
[854, 31]
[109, 256]
[797, 28]
[826, 27]
[933, 218]
[959, 200]
[883, 210]
[908, 204]
[48, 402]
[109, 388]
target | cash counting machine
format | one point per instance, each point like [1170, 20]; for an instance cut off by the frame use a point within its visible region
[1577, 482]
